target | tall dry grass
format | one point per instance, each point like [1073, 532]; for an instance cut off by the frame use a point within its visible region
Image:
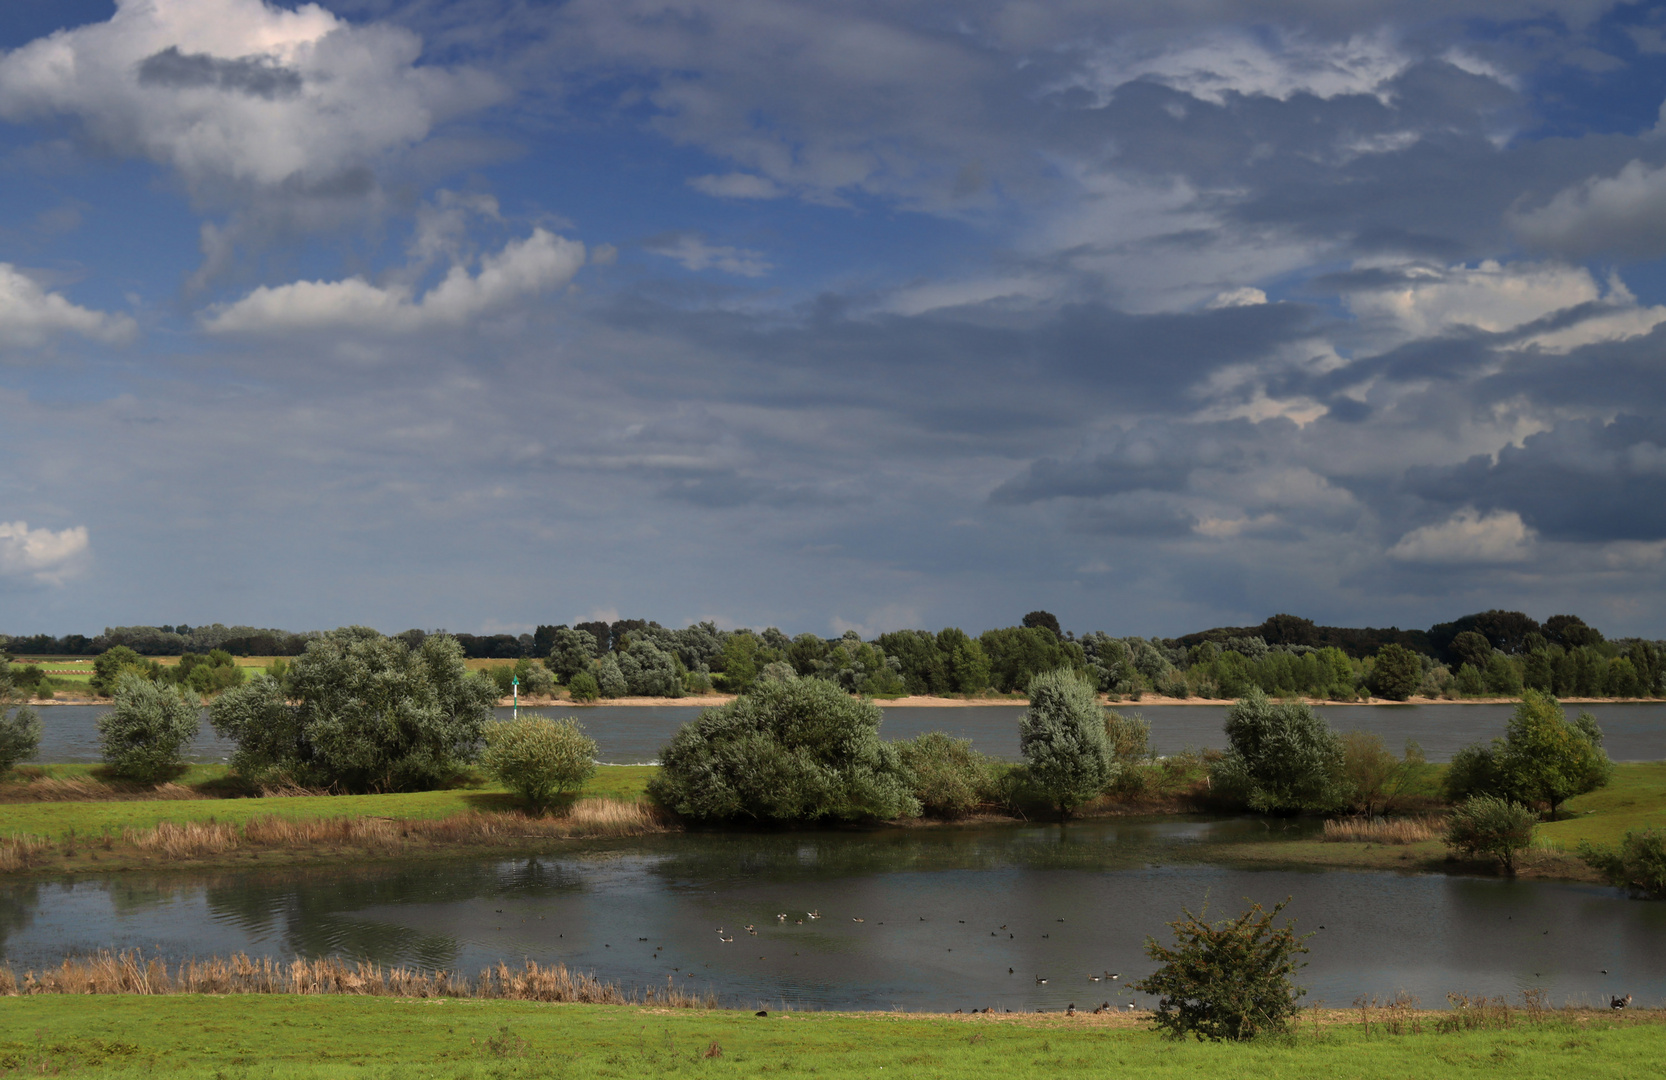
[87, 789]
[133, 973]
[18, 852]
[589, 818]
[1383, 830]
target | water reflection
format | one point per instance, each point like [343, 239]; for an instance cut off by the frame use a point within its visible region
[918, 919]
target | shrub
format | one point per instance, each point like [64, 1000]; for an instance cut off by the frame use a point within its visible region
[947, 776]
[19, 724]
[1129, 738]
[361, 712]
[1487, 825]
[1639, 865]
[1062, 738]
[1283, 758]
[650, 671]
[1230, 980]
[109, 665]
[1473, 771]
[582, 686]
[144, 735]
[1376, 778]
[537, 757]
[572, 652]
[799, 750]
[536, 679]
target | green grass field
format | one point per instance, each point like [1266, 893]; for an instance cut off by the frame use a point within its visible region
[58, 819]
[280, 1037]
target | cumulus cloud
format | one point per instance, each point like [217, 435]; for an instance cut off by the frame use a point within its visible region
[524, 268]
[239, 91]
[695, 254]
[1623, 213]
[738, 186]
[41, 555]
[1241, 297]
[1414, 300]
[29, 315]
[1468, 537]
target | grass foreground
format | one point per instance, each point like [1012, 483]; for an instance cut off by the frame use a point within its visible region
[285, 1036]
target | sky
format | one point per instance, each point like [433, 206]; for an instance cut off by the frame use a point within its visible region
[484, 314]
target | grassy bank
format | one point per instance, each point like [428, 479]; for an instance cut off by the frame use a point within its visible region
[192, 1036]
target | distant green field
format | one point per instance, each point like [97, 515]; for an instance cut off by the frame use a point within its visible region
[57, 819]
[283, 1037]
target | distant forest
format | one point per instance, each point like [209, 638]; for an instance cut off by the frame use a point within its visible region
[1489, 653]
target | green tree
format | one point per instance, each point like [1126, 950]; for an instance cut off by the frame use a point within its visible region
[1230, 980]
[1062, 738]
[1018, 654]
[1283, 758]
[361, 712]
[572, 652]
[1544, 758]
[967, 663]
[610, 678]
[795, 750]
[650, 671]
[109, 665]
[538, 758]
[1487, 825]
[1376, 778]
[1396, 673]
[1471, 648]
[144, 735]
[1638, 865]
[20, 726]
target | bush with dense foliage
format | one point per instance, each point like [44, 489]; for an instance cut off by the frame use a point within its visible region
[538, 758]
[1638, 865]
[110, 665]
[144, 735]
[583, 687]
[1228, 980]
[1376, 779]
[1017, 654]
[1396, 673]
[360, 712]
[1542, 758]
[948, 777]
[1282, 758]
[571, 652]
[795, 750]
[1062, 738]
[1487, 825]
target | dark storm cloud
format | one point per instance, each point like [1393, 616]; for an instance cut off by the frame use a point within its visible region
[258, 78]
[1582, 480]
[1145, 459]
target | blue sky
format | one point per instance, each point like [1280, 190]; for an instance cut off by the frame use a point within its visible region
[489, 313]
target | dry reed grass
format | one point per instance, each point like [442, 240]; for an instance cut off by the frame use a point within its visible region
[87, 789]
[1383, 830]
[18, 852]
[587, 819]
[133, 973]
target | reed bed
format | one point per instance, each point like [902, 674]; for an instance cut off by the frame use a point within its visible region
[87, 789]
[587, 819]
[1383, 830]
[134, 973]
[19, 852]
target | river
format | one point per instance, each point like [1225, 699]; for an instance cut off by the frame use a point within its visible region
[627, 734]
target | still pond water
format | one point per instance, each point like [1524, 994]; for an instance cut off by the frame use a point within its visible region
[945, 913]
[630, 734]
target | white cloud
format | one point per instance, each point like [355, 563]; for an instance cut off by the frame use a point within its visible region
[1468, 537]
[29, 315]
[738, 186]
[1491, 296]
[931, 296]
[695, 254]
[1244, 297]
[1624, 212]
[541, 262]
[239, 90]
[1216, 64]
[41, 555]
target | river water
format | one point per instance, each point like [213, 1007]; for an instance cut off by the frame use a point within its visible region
[944, 914]
[629, 734]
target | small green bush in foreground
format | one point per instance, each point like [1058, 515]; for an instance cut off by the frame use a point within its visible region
[1228, 980]
[537, 758]
[144, 736]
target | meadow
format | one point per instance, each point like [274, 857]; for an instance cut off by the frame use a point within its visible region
[305, 1036]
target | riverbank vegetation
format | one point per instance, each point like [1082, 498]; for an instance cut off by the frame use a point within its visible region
[345, 1035]
[1490, 654]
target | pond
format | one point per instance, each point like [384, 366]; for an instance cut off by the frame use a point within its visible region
[628, 734]
[922, 919]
